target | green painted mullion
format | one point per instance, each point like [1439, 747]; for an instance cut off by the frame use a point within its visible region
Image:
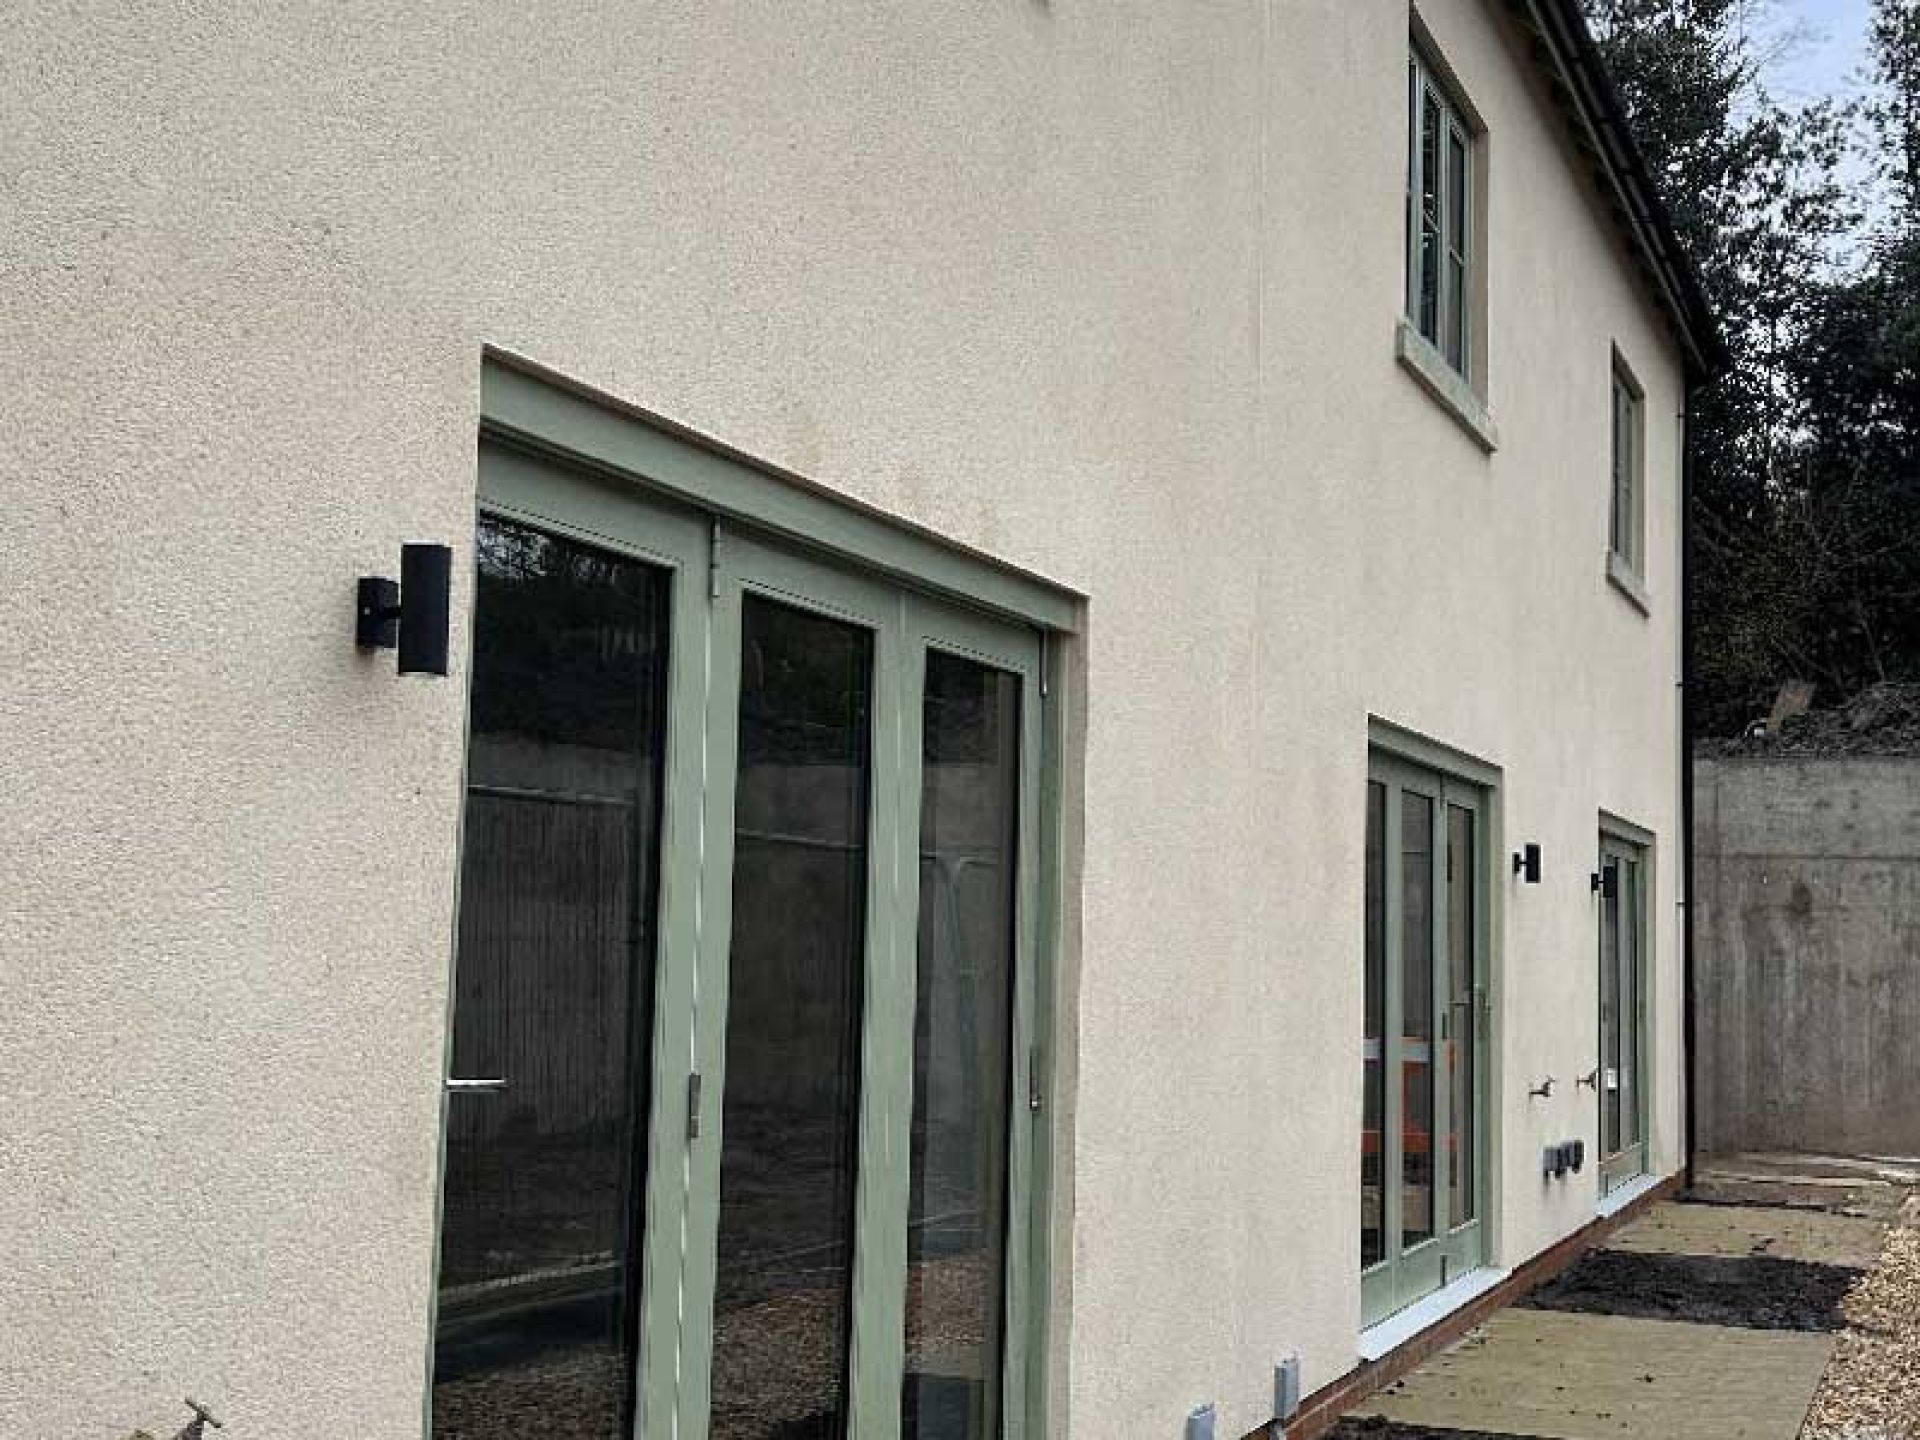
[1440, 1136]
[1026, 1102]
[714, 927]
[882, 1180]
[1028, 1345]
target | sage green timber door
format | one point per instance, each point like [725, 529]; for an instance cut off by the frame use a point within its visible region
[1422, 1152]
[748, 974]
[1623, 1049]
[856, 1239]
[561, 1182]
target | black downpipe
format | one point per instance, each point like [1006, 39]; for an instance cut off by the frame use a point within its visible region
[1688, 705]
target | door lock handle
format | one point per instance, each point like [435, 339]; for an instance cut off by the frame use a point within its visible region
[476, 1087]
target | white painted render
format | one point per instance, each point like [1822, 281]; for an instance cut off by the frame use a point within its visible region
[1108, 291]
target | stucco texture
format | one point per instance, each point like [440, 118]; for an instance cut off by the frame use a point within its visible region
[1108, 291]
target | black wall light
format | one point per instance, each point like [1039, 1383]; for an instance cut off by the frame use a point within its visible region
[1526, 863]
[1606, 881]
[411, 615]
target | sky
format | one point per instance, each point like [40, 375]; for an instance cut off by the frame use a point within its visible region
[1818, 47]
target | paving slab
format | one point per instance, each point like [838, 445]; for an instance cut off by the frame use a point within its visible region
[1604, 1377]
[1814, 1236]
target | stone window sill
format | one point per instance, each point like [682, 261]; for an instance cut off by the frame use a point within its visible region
[1622, 577]
[1440, 380]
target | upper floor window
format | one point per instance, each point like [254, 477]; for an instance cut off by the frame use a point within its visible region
[1440, 217]
[1624, 515]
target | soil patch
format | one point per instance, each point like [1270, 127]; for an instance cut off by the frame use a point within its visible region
[1757, 1292]
[1375, 1427]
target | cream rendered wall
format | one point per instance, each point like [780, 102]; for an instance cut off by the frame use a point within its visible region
[1106, 290]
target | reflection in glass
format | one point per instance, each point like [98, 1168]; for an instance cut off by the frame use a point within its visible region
[962, 1051]
[1416, 1027]
[783, 1299]
[538, 1268]
[1462, 867]
[1373, 1247]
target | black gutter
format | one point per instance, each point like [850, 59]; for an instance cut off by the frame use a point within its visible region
[1563, 27]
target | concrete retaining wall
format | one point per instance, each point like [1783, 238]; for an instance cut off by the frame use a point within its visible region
[1809, 954]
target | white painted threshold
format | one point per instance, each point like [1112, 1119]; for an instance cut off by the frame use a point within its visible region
[1394, 1331]
[1614, 1201]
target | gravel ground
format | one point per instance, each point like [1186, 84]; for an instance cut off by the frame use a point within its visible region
[1871, 1391]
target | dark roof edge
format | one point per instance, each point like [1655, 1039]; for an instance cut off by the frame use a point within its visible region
[1562, 27]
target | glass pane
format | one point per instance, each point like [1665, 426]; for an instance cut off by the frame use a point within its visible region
[1416, 1025]
[1458, 210]
[1462, 947]
[544, 1177]
[1373, 1039]
[783, 1298]
[962, 1051]
[1629, 1004]
[1610, 1143]
[1428, 315]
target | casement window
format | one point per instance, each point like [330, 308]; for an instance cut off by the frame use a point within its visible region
[746, 1095]
[1627, 507]
[1620, 1078]
[1441, 184]
[1423, 1046]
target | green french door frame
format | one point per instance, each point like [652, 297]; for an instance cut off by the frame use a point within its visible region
[716, 571]
[1622, 1068]
[1424, 1046]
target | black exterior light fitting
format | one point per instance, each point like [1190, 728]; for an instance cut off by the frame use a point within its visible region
[1606, 881]
[411, 615]
[1526, 863]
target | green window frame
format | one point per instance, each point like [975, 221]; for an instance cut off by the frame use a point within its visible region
[1626, 508]
[1443, 183]
[559, 458]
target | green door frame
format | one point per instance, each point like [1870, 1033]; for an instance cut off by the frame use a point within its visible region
[1405, 1276]
[1626, 851]
[559, 458]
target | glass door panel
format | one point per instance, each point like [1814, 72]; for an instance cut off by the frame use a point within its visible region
[1417, 1224]
[545, 1167]
[783, 1294]
[1460, 1020]
[962, 1050]
[1373, 1039]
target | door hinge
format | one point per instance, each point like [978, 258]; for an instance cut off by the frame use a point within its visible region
[713, 562]
[693, 1106]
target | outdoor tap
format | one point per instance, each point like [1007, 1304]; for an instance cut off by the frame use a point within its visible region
[1544, 1090]
[196, 1428]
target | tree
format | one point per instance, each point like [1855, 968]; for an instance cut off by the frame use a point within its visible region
[1805, 486]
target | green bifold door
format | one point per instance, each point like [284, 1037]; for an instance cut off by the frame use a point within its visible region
[739, 1141]
[1423, 1067]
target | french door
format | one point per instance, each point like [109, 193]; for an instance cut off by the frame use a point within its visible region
[738, 1141]
[1423, 1045]
[1623, 1051]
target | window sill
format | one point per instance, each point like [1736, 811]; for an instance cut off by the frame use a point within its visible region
[1391, 1333]
[1621, 576]
[1419, 359]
